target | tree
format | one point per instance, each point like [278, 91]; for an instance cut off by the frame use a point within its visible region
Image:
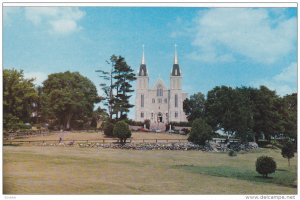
[265, 165]
[123, 76]
[267, 119]
[122, 131]
[200, 132]
[108, 88]
[117, 91]
[287, 151]
[69, 96]
[19, 96]
[289, 115]
[230, 110]
[195, 106]
[108, 129]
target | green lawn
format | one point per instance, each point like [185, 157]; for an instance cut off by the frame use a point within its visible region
[73, 170]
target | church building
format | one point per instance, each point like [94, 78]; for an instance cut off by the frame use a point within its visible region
[159, 103]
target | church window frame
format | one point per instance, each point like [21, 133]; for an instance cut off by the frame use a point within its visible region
[159, 91]
[176, 114]
[153, 100]
[176, 100]
[142, 114]
[142, 100]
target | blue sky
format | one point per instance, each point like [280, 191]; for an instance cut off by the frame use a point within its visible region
[216, 46]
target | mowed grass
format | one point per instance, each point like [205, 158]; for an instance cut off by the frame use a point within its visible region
[73, 170]
[100, 135]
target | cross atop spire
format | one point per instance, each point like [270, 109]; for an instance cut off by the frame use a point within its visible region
[175, 56]
[143, 56]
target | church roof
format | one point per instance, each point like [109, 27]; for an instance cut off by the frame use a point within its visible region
[176, 70]
[143, 70]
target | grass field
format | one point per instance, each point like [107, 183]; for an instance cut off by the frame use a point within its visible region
[73, 170]
[100, 135]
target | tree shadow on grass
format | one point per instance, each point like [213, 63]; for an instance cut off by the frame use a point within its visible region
[280, 177]
[11, 145]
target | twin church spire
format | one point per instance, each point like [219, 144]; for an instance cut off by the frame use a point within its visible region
[175, 71]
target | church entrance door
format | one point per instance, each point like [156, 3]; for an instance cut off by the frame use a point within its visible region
[159, 117]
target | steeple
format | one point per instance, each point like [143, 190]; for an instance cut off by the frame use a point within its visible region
[143, 68]
[175, 70]
[143, 56]
[175, 55]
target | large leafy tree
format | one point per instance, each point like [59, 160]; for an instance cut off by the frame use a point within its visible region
[68, 96]
[220, 109]
[19, 97]
[194, 107]
[266, 115]
[289, 115]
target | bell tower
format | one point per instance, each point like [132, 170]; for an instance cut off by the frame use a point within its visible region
[175, 102]
[142, 91]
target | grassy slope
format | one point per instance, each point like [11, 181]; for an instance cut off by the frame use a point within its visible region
[100, 135]
[60, 170]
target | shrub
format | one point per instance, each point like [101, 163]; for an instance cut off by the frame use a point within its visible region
[287, 151]
[265, 165]
[232, 153]
[108, 129]
[122, 131]
[200, 132]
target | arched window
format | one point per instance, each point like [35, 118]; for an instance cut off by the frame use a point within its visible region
[176, 114]
[176, 100]
[159, 91]
[142, 115]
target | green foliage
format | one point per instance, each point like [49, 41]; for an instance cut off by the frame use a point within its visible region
[200, 132]
[133, 123]
[19, 96]
[288, 150]
[108, 129]
[289, 115]
[265, 165]
[68, 97]
[194, 107]
[117, 87]
[181, 124]
[122, 131]
[232, 153]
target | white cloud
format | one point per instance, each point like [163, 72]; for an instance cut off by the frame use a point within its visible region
[249, 32]
[288, 74]
[38, 76]
[284, 83]
[59, 20]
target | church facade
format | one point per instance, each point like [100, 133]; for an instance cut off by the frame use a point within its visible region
[160, 104]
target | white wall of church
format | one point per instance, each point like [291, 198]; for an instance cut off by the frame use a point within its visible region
[160, 106]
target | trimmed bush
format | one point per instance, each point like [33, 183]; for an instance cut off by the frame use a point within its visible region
[265, 165]
[200, 132]
[122, 131]
[232, 153]
[288, 150]
[108, 129]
